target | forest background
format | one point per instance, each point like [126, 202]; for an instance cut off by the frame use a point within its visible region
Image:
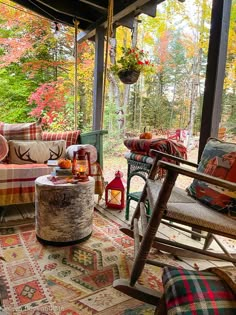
[37, 72]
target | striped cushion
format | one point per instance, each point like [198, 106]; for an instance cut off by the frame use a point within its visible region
[3, 148]
[71, 137]
[21, 131]
[196, 292]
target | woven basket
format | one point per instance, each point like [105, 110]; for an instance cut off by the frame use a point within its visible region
[128, 76]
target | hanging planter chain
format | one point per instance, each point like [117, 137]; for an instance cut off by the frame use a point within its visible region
[109, 33]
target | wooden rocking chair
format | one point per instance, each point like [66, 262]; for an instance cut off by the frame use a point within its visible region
[172, 206]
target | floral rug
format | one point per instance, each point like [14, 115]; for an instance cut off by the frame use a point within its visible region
[71, 280]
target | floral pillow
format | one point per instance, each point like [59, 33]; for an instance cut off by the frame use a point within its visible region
[218, 159]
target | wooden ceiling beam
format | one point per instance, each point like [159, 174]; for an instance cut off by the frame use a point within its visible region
[73, 9]
[127, 21]
[134, 7]
[95, 4]
[150, 8]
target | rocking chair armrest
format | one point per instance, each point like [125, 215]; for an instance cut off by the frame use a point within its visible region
[200, 176]
[160, 154]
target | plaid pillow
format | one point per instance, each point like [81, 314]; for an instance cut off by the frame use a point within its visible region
[71, 137]
[196, 292]
[218, 159]
[3, 148]
[21, 131]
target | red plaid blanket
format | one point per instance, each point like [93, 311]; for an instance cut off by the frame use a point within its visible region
[143, 147]
[17, 182]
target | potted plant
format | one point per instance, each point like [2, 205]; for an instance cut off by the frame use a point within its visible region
[129, 66]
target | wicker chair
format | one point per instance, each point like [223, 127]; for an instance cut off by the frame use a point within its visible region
[172, 206]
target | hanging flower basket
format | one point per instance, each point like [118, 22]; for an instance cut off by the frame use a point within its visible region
[128, 76]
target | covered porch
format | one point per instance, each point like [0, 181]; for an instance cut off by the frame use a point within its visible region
[93, 21]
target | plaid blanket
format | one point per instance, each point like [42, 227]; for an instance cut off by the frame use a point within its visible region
[143, 147]
[141, 150]
[17, 182]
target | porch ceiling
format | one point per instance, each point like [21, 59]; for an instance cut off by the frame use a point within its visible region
[90, 13]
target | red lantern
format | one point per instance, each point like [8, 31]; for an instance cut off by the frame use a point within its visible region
[81, 167]
[115, 192]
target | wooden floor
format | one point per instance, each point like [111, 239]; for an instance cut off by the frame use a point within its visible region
[24, 214]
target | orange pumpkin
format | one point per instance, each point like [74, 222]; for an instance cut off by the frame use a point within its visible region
[145, 134]
[64, 163]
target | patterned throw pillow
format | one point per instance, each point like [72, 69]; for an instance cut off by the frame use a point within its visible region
[88, 147]
[26, 152]
[71, 137]
[196, 292]
[218, 159]
[3, 148]
[22, 131]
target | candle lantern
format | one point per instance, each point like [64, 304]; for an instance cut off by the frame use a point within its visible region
[115, 192]
[81, 166]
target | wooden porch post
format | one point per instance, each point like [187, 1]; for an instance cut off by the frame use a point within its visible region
[217, 53]
[98, 78]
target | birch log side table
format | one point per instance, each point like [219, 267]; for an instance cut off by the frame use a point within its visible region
[64, 212]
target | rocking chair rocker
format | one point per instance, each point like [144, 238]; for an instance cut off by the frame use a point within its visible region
[172, 206]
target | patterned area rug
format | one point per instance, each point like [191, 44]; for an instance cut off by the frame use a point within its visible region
[72, 280]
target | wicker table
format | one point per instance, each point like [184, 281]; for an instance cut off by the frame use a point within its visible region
[64, 212]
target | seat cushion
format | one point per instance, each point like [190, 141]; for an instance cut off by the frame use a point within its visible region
[218, 159]
[196, 292]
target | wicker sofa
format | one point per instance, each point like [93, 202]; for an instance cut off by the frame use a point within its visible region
[18, 169]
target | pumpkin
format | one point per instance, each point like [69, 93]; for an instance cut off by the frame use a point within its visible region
[64, 163]
[145, 134]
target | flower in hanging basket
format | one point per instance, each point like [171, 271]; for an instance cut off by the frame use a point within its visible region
[132, 62]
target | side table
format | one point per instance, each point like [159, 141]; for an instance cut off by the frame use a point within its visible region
[64, 212]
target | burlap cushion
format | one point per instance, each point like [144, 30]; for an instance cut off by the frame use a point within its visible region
[71, 137]
[24, 152]
[218, 159]
[196, 292]
[3, 148]
[21, 131]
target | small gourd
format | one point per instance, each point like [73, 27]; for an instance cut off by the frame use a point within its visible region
[145, 134]
[64, 163]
